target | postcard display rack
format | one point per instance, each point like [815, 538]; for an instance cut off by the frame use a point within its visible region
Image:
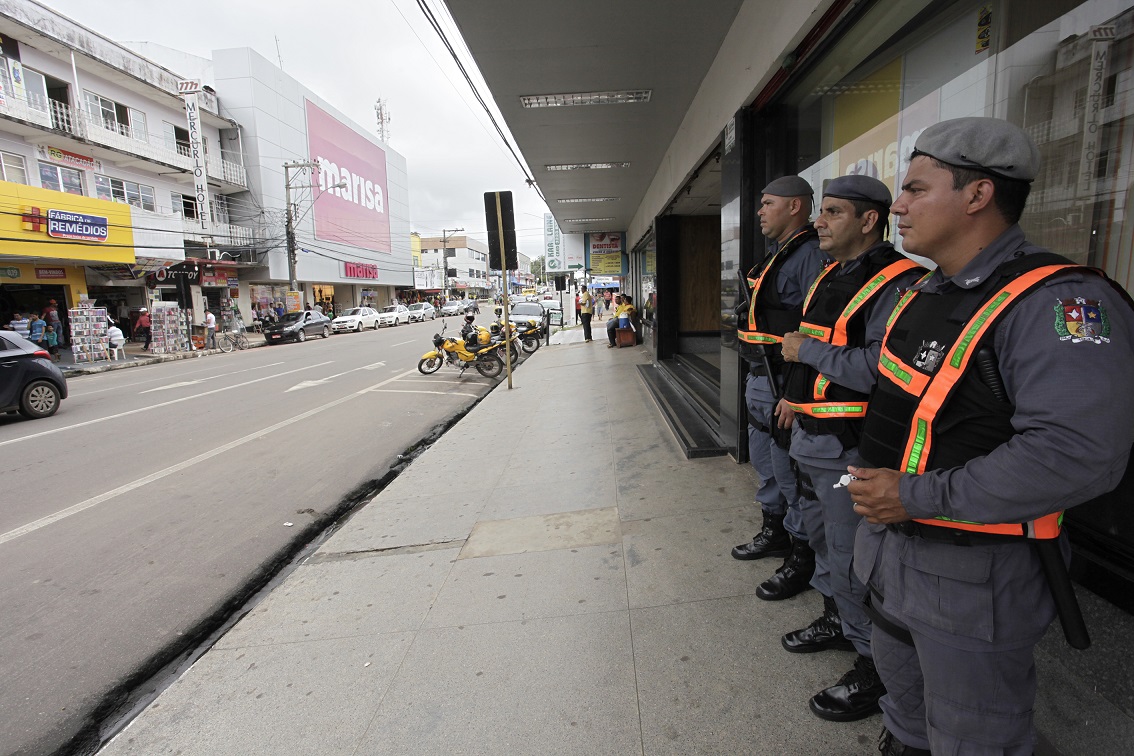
[89, 342]
[165, 330]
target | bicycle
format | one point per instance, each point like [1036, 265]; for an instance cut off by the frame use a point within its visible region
[229, 340]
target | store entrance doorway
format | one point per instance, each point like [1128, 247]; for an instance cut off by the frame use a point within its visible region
[33, 298]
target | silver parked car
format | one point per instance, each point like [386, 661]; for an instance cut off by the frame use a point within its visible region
[422, 311]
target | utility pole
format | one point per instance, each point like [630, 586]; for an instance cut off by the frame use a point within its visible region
[290, 222]
[445, 260]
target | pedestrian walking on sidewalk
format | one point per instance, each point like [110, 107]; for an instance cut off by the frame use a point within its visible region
[210, 330]
[143, 327]
[36, 326]
[20, 324]
[586, 311]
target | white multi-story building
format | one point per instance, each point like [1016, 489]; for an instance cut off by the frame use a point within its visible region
[98, 128]
[90, 127]
[464, 260]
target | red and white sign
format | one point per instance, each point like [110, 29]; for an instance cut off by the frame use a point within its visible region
[360, 270]
[358, 212]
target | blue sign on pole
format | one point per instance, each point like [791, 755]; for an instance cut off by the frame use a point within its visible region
[64, 225]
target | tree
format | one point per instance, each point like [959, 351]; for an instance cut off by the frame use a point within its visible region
[537, 267]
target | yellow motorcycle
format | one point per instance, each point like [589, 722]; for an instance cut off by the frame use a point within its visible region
[453, 351]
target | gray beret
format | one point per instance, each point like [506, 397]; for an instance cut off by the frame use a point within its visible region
[860, 188]
[988, 144]
[789, 186]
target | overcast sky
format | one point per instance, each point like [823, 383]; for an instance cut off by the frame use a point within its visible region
[351, 52]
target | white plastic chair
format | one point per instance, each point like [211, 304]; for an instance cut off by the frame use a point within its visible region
[117, 351]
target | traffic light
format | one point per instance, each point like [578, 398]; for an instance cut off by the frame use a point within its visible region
[498, 214]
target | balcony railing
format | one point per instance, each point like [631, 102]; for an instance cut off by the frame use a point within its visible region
[120, 136]
[224, 234]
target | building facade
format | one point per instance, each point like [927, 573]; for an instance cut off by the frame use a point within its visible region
[465, 264]
[95, 135]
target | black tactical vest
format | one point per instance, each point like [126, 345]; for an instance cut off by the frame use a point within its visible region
[825, 318]
[975, 417]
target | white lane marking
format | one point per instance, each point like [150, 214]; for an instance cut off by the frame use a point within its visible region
[415, 391]
[31, 527]
[156, 406]
[321, 381]
[402, 343]
[195, 381]
[148, 380]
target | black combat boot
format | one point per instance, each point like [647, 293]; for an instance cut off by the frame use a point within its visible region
[793, 576]
[822, 634]
[888, 745]
[771, 541]
[855, 696]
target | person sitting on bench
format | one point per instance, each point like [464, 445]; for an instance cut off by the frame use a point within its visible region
[623, 314]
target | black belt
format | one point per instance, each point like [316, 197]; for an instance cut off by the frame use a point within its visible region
[881, 621]
[952, 536]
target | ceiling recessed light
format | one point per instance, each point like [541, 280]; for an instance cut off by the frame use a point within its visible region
[588, 199]
[623, 97]
[583, 166]
[587, 220]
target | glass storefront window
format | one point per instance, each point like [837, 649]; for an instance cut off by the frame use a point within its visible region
[1062, 70]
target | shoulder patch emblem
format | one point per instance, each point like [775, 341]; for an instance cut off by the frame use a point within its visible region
[1082, 319]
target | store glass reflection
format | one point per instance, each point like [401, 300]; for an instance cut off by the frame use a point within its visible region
[1066, 80]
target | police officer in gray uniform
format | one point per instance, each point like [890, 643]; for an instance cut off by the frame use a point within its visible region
[781, 281]
[833, 366]
[1000, 402]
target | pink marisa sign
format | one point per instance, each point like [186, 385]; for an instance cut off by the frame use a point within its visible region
[354, 214]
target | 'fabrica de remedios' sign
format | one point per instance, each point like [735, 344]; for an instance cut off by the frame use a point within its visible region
[64, 225]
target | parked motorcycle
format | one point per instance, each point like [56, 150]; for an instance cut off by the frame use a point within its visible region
[454, 351]
[494, 334]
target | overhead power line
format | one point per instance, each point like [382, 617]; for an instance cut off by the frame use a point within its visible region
[476, 93]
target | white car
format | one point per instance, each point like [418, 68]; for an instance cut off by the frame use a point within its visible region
[393, 315]
[422, 310]
[355, 319]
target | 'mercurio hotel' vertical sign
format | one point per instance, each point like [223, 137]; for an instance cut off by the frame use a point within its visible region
[189, 88]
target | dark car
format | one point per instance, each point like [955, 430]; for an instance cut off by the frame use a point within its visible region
[298, 326]
[30, 383]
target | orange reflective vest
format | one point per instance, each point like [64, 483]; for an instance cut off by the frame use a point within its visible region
[927, 355]
[768, 319]
[832, 313]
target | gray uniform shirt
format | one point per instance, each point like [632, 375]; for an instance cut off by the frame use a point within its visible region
[855, 368]
[1074, 411]
[796, 275]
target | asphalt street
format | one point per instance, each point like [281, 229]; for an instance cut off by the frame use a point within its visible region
[155, 495]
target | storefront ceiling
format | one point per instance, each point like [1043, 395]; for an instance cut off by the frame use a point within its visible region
[537, 47]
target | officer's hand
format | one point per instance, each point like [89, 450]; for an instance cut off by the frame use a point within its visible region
[791, 345]
[875, 495]
[785, 415]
